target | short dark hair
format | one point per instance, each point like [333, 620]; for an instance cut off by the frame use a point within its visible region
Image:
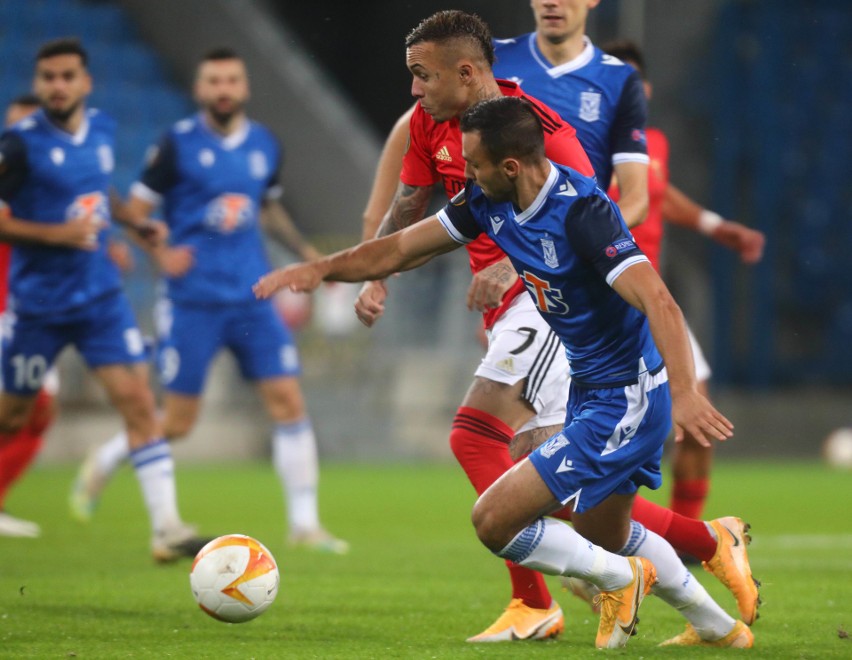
[63, 46]
[220, 53]
[626, 51]
[508, 127]
[453, 24]
[25, 99]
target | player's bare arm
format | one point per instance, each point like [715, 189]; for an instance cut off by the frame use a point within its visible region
[171, 260]
[375, 259]
[135, 216]
[409, 205]
[280, 224]
[641, 286]
[679, 209]
[386, 178]
[79, 233]
[632, 181]
[489, 285]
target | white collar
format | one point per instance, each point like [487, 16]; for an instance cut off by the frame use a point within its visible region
[533, 208]
[231, 141]
[578, 62]
[77, 138]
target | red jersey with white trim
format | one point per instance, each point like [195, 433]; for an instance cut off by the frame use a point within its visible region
[435, 154]
[649, 235]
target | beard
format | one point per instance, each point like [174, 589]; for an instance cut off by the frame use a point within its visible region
[61, 115]
[223, 117]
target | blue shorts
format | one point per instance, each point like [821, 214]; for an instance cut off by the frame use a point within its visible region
[190, 336]
[612, 442]
[104, 332]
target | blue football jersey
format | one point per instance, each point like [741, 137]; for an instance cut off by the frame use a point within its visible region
[599, 95]
[211, 189]
[50, 176]
[569, 246]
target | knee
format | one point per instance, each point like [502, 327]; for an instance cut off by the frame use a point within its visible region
[487, 526]
[135, 402]
[12, 423]
[177, 428]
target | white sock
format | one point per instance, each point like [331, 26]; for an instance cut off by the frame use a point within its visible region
[554, 548]
[677, 586]
[112, 454]
[155, 470]
[294, 454]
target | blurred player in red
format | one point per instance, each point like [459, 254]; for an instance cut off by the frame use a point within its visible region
[691, 462]
[18, 450]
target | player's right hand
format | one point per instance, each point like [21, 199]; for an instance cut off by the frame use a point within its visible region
[304, 277]
[80, 233]
[370, 304]
[175, 261]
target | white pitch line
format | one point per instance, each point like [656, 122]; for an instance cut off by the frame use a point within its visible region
[807, 541]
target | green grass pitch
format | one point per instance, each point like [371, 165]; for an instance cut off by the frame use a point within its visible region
[415, 584]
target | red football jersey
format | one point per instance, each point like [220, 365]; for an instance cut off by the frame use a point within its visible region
[649, 235]
[435, 154]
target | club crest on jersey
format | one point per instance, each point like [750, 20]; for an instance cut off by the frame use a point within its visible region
[258, 167]
[206, 157]
[548, 299]
[557, 442]
[549, 251]
[91, 204]
[590, 106]
[57, 155]
[229, 212]
[615, 249]
[106, 159]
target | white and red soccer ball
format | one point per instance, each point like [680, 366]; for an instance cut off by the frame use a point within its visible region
[234, 578]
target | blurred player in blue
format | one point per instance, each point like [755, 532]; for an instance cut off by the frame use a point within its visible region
[632, 371]
[55, 169]
[214, 175]
[600, 96]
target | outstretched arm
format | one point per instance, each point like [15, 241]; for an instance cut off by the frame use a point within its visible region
[371, 260]
[681, 210]
[641, 286]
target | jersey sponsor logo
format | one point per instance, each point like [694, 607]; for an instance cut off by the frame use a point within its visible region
[206, 157]
[590, 106]
[106, 159]
[507, 365]
[92, 204]
[549, 252]
[548, 299]
[617, 248]
[444, 154]
[258, 165]
[557, 442]
[229, 212]
[567, 190]
[496, 223]
[57, 155]
[638, 135]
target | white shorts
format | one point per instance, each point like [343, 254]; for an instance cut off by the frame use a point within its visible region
[702, 368]
[522, 346]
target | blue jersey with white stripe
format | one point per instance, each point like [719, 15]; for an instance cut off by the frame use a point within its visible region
[50, 176]
[211, 189]
[569, 246]
[599, 95]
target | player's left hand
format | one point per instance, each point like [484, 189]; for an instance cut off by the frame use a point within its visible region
[153, 232]
[743, 240]
[490, 285]
[692, 413]
[303, 277]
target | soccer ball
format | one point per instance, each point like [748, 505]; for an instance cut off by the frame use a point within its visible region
[234, 578]
[837, 448]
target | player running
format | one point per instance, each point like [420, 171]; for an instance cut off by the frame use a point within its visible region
[632, 370]
[55, 169]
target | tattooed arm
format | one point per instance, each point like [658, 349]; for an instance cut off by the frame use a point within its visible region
[408, 207]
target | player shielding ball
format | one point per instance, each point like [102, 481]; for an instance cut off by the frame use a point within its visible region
[632, 371]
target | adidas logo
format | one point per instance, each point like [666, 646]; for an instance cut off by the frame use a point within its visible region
[444, 154]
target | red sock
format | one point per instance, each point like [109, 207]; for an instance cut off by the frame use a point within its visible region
[686, 535]
[689, 495]
[16, 453]
[480, 442]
